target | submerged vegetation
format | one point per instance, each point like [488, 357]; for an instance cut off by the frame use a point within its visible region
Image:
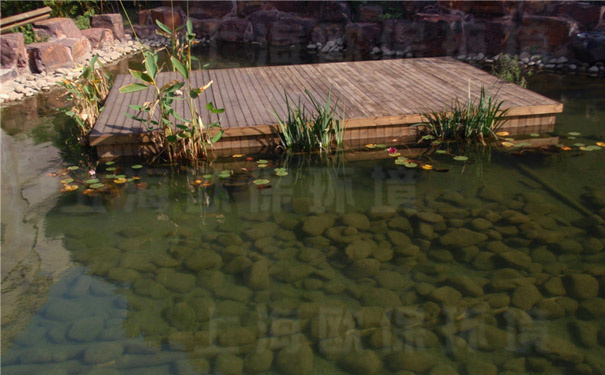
[176, 138]
[322, 128]
[508, 69]
[470, 121]
[87, 94]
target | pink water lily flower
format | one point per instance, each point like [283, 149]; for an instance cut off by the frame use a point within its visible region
[392, 150]
[92, 173]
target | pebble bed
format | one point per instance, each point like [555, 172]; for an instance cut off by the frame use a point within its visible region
[478, 281]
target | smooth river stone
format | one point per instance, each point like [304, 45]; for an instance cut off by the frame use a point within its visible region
[356, 220]
[359, 249]
[582, 286]
[415, 361]
[466, 285]
[259, 360]
[203, 260]
[260, 230]
[63, 310]
[296, 359]
[179, 282]
[102, 352]
[526, 296]
[462, 237]
[229, 364]
[558, 349]
[316, 225]
[86, 330]
[363, 362]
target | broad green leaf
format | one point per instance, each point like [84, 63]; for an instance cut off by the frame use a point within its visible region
[133, 87]
[179, 67]
[137, 166]
[92, 181]
[171, 138]
[210, 106]
[194, 93]
[141, 76]
[460, 158]
[163, 27]
[151, 64]
[217, 137]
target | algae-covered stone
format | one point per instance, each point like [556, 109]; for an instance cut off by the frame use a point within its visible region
[234, 292]
[568, 246]
[409, 360]
[390, 280]
[203, 260]
[260, 230]
[236, 336]
[258, 360]
[380, 297]
[481, 224]
[229, 364]
[478, 367]
[554, 287]
[102, 352]
[446, 295]
[592, 245]
[237, 265]
[371, 317]
[548, 309]
[466, 285]
[462, 237]
[210, 279]
[149, 288]
[290, 271]
[203, 306]
[399, 239]
[582, 286]
[359, 249]
[488, 338]
[592, 308]
[443, 369]
[526, 296]
[258, 278]
[363, 362]
[179, 282]
[492, 193]
[36, 355]
[296, 359]
[498, 300]
[86, 330]
[383, 252]
[515, 258]
[180, 316]
[585, 333]
[400, 223]
[363, 268]
[356, 220]
[384, 339]
[284, 327]
[316, 225]
[558, 349]
[63, 310]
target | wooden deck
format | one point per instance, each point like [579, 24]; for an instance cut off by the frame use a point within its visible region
[381, 100]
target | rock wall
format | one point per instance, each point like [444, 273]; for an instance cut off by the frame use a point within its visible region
[574, 29]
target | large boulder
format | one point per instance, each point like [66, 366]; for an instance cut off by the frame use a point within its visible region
[169, 16]
[362, 36]
[290, 30]
[78, 47]
[56, 28]
[46, 57]
[544, 34]
[335, 11]
[144, 31]
[99, 37]
[437, 34]
[12, 52]
[589, 47]
[402, 35]
[370, 13]
[205, 28]
[585, 13]
[489, 36]
[112, 22]
[211, 9]
[262, 22]
[234, 29]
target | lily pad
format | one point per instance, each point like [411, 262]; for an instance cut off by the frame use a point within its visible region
[67, 188]
[441, 152]
[370, 145]
[574, 134]
[110, 176]
[261, 166]
[381, 146]
[579, 144]
[400, 161]
[261, 181]
[92, 181]
[262, 161]
[395, 154]
[97, 186]
[110, 163]
[110, 169]
[410, 165]
[207, 177]
[522, 144]
[590, 148]
[535, 135]
[460, 158]
[281, 173]
[120, 176]
[67, 181]
[73, 168]
[137, 166]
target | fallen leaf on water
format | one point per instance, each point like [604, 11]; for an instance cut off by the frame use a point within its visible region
[67, 188]
[141, 185]
[427, 167]
[566, 148]
[237, 156]
[601, 144]
[508, 144]
[502, 134]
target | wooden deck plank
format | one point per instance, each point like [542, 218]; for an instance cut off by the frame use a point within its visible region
[379, 98]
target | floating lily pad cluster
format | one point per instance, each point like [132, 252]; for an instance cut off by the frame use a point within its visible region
[281, 172]
[93, 184]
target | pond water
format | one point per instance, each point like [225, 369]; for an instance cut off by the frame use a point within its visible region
[347, 265]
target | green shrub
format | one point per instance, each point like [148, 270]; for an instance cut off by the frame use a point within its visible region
[470, 121]
[508, 69]
[322, 129]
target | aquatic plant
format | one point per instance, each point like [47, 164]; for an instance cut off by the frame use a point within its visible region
[87, 94]
[177, 138]
[470, 121]
[322, 128]
[508, 69]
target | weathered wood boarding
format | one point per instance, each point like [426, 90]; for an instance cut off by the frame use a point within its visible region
[381, 99]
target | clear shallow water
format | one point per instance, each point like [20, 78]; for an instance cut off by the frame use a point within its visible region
[358, 267]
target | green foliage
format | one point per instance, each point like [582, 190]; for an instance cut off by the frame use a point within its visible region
[508, 69]
[87, 94]
[466, 122]
[29, 35]
[11, 8]
[181, 41]
[72, 8]
[83, 21]
[322, 129]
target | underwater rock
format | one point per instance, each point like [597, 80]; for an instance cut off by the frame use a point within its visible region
[149, 288]
[258, 278]
[136, 261]
[102, 352]
[400, 223]
[179, 282]
[384, 339]
[526, 296]
[236, 336]
[390, 280]
[258, 360]
[237, 265]
[63, 310]
[462, 237]
[229, 364]
[316, 225]
[466, 285]
[356, 220]
[181, 316]
[86, 330]
[445, 295]
[484, 261]
[379, 297]
[515, 258]
[210, 279]
[410, 361]
[548, 309]
[363, 268]
[478, 367]
[592, 308]
[554, 287]
[592, 245]
[488, 338]
[584, 333]
[296, 359]
[259, 230]
[568, 246]
[36, 355]
[359, 249]
[203, 260]
[204, 307]
[443, 369]
[481, 224]
[492, 193]
[235, 292]
[399, 239]
[582, 286]
[371, 317]
[290, 271]
[363, 362]
[558, 349]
